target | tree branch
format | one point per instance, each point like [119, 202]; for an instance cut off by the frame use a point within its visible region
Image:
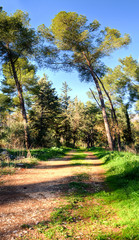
[95, 98]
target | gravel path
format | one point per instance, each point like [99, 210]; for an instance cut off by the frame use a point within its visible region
[30, 195]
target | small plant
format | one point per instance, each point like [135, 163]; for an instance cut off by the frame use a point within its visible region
[61, 215]
[7, 170]
[82, 177]
[24, 226]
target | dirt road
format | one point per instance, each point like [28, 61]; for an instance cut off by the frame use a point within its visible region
[30, 195]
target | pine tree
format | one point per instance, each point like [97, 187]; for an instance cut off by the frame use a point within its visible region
[17, 40]
[44, 113]
[65, 128]
[86, 47]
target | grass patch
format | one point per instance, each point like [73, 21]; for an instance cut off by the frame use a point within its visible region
[79, 156]
[123, 179]
[47, 153]
[9, 166]
[81, 150]
[78, 159]
[82, 177]
[62, 215]
[79, 188]
[82, 219]
[41, 154]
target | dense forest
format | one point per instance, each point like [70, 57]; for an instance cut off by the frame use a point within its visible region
[32, 113]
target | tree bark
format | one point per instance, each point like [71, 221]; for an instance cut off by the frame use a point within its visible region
[129, 135]
[22, 104]
[107, 128]
[113, 113]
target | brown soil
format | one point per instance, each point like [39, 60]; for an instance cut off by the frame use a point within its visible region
[30, 195]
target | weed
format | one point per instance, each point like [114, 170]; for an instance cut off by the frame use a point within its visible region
[82, 177]
[7, 170]
[24, 226]
[61, 215]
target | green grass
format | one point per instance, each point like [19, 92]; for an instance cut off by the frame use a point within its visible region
[78, 158]
[82, 177]
[46, 153]
[42, 154]
[80, 218]
[123, 180]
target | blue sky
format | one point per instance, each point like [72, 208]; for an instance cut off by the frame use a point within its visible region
[120, 14]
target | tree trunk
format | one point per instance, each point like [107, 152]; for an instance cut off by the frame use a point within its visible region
[107, 128]
[22, 105]
[91, 139]
[129, 132]
[113, 113]
[88, 141]
[74, 140]
[40, 135]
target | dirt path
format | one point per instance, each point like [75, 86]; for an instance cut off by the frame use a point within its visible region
[30, 195]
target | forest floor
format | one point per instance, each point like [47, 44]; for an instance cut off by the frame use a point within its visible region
[29, 196]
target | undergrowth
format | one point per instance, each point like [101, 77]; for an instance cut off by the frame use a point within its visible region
[10, 166]
[46, 153]
[11, 159]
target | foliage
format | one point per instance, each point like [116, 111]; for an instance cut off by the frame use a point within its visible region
[70, 31]
[91, 132]
[43, 115]
[26, 76]
[12, 131]
[53, 121]
[17, 41]
[85, 46]
[15, 32]
[122, 83]
[64, 126]
[76, 115]
[44, 154]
